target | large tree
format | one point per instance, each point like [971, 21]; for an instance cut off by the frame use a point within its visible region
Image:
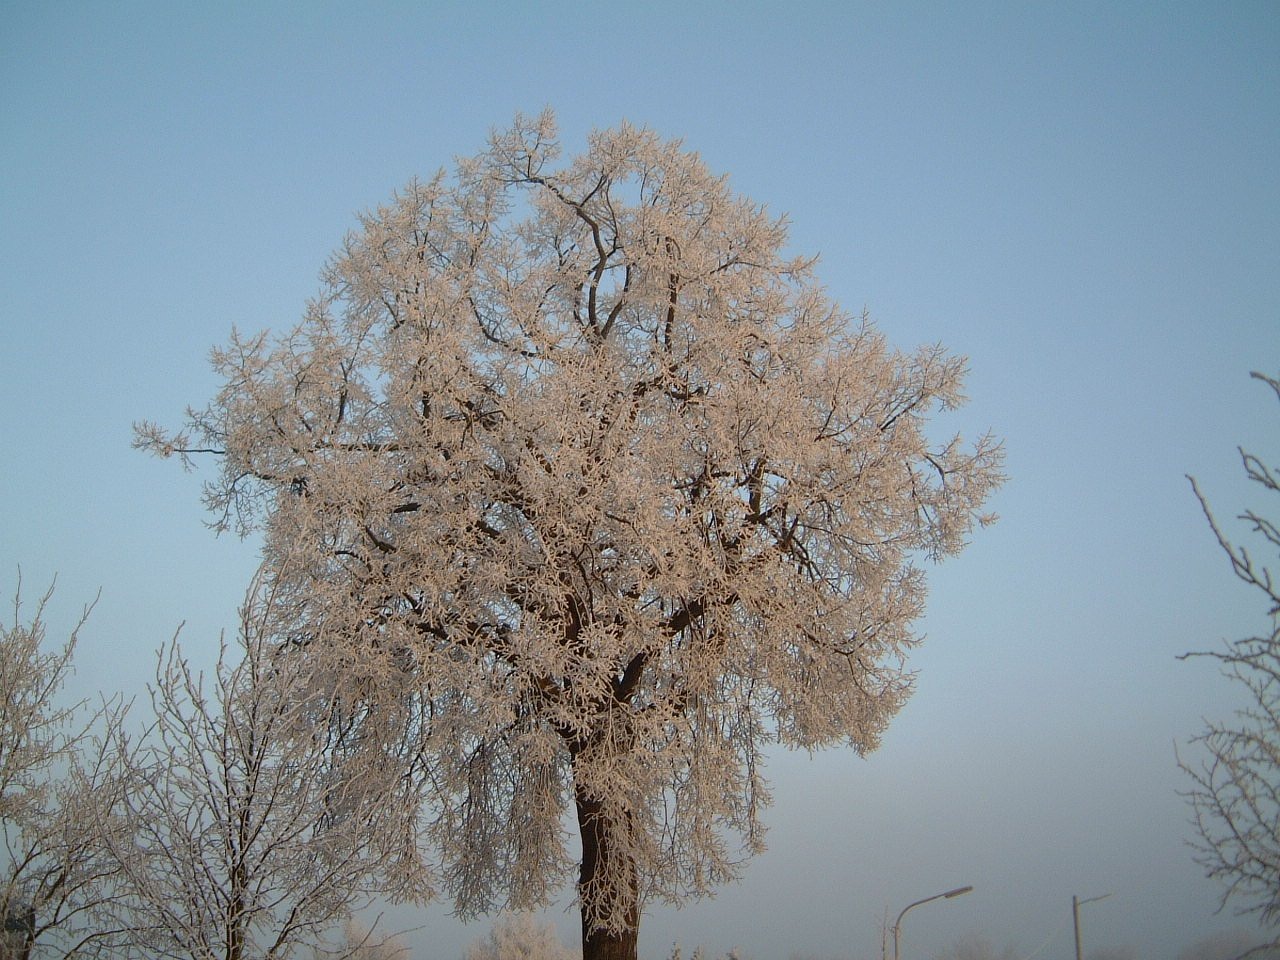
[1235, 783]
[599, 495]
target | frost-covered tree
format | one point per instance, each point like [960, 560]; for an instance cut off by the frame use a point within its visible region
[361, 943]
[242, 839]
[59, 889]
[599, 494]
[520, 936]
[1235, 792]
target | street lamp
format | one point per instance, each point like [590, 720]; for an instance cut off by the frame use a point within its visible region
[897, 924]
[1076, 904]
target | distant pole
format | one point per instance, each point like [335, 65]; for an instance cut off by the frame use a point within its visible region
[1076, 904]
[897, 924]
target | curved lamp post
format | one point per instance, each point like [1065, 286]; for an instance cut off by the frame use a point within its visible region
[897, 924]
[1076, 904]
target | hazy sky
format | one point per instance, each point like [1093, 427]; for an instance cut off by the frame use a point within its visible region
[1083, 199]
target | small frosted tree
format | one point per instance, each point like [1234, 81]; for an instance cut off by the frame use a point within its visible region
[599, 494]
[59, 891]
[361, 943]
[1235, 792]
[242, 838]
[520, 936]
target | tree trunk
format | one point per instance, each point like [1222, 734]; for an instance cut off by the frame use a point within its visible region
[611, 886]
[602, 945]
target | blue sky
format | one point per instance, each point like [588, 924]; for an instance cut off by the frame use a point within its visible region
[1081, 198]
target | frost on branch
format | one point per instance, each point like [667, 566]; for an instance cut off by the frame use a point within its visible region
[59, 890]
[596, 494]
[520, 936]
[1235, 791]
[243, 834]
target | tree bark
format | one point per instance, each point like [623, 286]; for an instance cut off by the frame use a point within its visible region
[612, 885]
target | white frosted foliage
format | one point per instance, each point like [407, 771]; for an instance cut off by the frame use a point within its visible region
[596, 494]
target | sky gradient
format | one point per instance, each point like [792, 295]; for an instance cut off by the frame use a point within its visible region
[1081, 198]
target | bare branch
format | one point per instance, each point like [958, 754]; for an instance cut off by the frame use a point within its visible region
[1235, 787]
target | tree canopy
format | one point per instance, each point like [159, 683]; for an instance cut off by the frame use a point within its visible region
[596, 494]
